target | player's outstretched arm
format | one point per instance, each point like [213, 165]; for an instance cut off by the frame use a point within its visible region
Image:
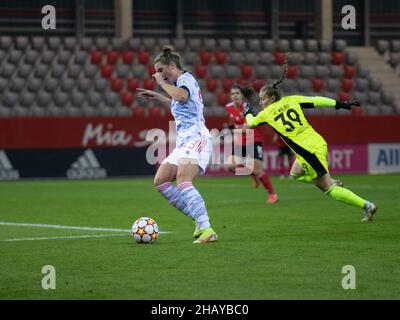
[313, 102]
[152, 95]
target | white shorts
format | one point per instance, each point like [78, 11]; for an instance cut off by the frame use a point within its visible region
[199, 150]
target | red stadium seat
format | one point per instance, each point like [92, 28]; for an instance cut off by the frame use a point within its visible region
[106, 71]
[95, 57]
[112, 57]
[149, 84]
[292, 72]
[126, 98]
[279, 57]
[151, 69]
[242, 82]
[337, 57]
[201, 71]
[222, 98]
[127, 57]
[143, 57]
[258, 84]
[205, 57]
[347, 84]
[155, 111]
[220, 57]
[116, 84]
[138, 111]
[356, 111]
[343, 96]
[211, 85]
[133, 84]
[246, 71]
[226, 84]
[349, 71]
[317, 84]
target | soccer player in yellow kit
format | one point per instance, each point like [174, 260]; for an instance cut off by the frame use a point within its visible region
[286, 117]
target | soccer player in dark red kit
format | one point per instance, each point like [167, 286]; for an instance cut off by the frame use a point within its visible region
[239, 158]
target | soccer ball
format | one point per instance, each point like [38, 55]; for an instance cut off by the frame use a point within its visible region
[145, 230]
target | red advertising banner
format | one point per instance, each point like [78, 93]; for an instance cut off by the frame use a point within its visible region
[73, 132]
[83, 132]
[130, 132]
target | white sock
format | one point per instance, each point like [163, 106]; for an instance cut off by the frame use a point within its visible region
[195, 204]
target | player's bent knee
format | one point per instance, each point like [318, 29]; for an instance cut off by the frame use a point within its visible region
[183, 178]
[157, 182]
[160, 180]
[324, 183]
[294, 174]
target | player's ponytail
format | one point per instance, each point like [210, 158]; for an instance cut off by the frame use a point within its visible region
[283, 75]
[273, 90]
[168, 55]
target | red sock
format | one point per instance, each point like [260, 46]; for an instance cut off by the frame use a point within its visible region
[267, 183]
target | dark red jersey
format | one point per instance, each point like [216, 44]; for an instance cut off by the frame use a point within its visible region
[237, 119]
[281, 143]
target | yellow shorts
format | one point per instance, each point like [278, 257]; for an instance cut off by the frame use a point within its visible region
[315, 164]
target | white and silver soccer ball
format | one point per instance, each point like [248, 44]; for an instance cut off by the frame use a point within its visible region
[145, 230]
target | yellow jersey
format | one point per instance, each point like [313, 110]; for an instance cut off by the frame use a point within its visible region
[286, 117]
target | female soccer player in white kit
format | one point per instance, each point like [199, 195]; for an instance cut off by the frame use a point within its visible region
[193, 141]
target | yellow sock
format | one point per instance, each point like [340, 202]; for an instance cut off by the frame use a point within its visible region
[345, 195]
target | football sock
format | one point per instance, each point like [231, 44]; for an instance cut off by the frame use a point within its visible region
[174, 196]
[195, 204]
[345, 195]
[266, 183]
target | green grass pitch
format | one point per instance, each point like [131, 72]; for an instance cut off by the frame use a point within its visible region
[294, 249]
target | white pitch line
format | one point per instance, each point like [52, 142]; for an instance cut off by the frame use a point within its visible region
[65, 237]
[56, 226]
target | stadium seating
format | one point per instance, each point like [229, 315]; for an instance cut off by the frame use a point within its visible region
[391, 53]
[44, 76]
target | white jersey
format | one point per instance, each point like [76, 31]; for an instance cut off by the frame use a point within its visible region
[189, 118]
